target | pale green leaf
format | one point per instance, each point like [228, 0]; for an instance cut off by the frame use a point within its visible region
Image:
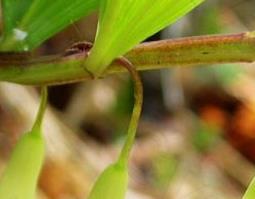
[125, 23]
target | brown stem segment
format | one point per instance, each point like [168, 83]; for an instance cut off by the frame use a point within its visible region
[59, 69]
[196, 50]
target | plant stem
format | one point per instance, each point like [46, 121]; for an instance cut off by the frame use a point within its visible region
[39, 117]
[138, 95]
[218, 49]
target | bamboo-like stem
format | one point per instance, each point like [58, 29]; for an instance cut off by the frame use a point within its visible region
[234, 48]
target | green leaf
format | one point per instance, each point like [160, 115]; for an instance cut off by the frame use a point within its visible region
[20, 177]
[39, 20]
[250, 192]
[125, 23]
[13, 10]
[111, 184]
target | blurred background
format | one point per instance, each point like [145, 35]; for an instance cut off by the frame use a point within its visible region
[196, 137]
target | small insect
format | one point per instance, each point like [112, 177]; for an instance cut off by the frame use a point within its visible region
[79, 47]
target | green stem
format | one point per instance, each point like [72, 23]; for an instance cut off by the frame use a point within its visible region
[39, 117]
[59, 69]
[138, 95]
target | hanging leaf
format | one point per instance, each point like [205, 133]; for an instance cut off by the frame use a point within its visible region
[111, 184]
[19, 179]
[125, 23]
[28, 23]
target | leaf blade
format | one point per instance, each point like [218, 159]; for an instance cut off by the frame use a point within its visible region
[12, 11]
[42, 21]
[124, 24]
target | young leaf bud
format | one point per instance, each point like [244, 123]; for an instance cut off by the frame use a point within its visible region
[111, 184]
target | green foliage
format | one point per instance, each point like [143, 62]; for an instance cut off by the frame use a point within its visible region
[13, 11]
[164, 169]
[250, 192]
[19, 179]
[209, 20]
[125, 100]
[111, 184]
[29, 23]
[226, 74]
[123, 24]
[205, 136]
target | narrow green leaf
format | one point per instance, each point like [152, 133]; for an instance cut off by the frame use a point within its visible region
[250, 192]
[13, 10]
[111, 184]
[125, 23]
[41, 20]
[19, 179]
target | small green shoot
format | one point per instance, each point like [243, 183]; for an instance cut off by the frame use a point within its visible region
[112, 183]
